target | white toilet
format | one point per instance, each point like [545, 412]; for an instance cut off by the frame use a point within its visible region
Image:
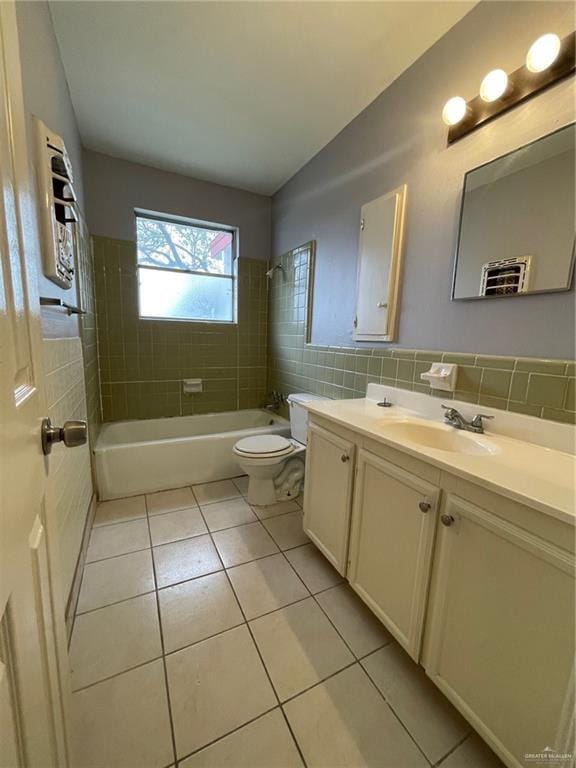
[275, 464]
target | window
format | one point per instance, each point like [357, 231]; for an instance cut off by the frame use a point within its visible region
[185, 270]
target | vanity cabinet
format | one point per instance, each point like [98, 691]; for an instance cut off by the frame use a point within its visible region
[393, 525]
[328, 498]
[477, 587]
[500, 632]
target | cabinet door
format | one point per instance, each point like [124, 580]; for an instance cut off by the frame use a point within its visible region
[328, 493]
[393, 524]
[500, 632]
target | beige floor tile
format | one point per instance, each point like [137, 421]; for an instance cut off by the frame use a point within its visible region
[197, 609]
[208, 493]
[225, 514]
[242, 484]
[344, 722]
[170, 501]
[313, 568]
[273, 510]
[473, 753]
[119, 539]
[172, 526]
[428, 716]
[216, 686]
[184, 560]
[265, 585]
[114, 639]
[265, 743]
[299, 647]
[355, 622]
[243, 544]
[123, 722]
[287, 530]
[119, 578]
[120, 510]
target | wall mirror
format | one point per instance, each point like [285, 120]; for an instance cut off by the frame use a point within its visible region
[379, 263]
[517, 222]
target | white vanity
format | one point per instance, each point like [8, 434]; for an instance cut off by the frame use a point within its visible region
[463, 546]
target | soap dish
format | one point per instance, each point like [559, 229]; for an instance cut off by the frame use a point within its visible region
[441, 376]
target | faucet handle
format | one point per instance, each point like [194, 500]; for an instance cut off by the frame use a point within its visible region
[448, 408]
[477, 420]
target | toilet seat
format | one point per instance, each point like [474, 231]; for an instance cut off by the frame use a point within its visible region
[264, 446]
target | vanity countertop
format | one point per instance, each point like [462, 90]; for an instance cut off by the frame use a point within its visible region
[539, 477]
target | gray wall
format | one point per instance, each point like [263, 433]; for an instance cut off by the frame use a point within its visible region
[115, 187]
[400, 138]
[46, 96]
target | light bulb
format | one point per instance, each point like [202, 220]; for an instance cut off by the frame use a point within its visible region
[494, 85]
[454, 110]
[543, 52]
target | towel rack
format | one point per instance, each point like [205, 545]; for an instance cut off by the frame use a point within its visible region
[49, 301]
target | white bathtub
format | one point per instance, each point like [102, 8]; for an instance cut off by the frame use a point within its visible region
[133, 457]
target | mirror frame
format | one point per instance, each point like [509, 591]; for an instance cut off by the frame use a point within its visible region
[570, 279]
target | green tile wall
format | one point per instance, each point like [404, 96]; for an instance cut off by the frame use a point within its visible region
[543, 388]
[88, 332]
[143, 362]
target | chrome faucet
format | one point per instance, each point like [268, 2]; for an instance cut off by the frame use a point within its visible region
[277, 399]
[456, 420]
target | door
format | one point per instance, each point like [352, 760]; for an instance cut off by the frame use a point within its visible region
[31, 715]
[393, 524]
[328, 493]
[500, 632]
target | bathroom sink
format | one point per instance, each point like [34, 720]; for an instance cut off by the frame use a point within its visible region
[439, 437]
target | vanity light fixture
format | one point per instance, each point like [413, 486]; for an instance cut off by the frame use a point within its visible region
[494, 85]
[548, 61]
[454, 110]
[543, 53]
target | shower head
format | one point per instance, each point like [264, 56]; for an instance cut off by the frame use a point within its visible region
[270, 272]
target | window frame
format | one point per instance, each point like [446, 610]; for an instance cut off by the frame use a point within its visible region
[197, 224]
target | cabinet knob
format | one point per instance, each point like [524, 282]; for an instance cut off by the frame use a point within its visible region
[344, 458]
[425, 506]
[447, 520]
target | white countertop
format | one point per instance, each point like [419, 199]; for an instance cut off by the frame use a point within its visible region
[539, 477]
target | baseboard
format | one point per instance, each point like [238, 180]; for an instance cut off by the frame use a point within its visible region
[72, 603]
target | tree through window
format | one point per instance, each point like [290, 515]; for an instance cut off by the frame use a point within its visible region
[185, 271]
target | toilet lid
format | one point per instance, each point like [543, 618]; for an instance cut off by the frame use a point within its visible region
[264, 445]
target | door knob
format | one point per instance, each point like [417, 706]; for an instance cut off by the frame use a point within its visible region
[344, 458]
[447, 520]
[424, 506]
[382, 305]
[73, 433]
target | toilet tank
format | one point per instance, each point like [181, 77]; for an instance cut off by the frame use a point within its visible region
[299, 415]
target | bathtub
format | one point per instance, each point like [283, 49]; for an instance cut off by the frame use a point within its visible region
[133, 457]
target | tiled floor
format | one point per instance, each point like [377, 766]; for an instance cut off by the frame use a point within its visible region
[210, 634]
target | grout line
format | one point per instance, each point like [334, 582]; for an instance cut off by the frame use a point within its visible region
[116, 602]
[167, 687]
[229, 733]
[121, 554]
[255, 644]
[391, 708]
[455, 747]
[116, 674]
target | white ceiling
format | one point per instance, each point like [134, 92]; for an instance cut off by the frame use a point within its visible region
[241, 93]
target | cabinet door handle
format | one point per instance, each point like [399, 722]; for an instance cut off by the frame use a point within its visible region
[344, 458]
[425, 506]
[447, 520]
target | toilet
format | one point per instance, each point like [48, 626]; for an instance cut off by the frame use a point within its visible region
[275, 464]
